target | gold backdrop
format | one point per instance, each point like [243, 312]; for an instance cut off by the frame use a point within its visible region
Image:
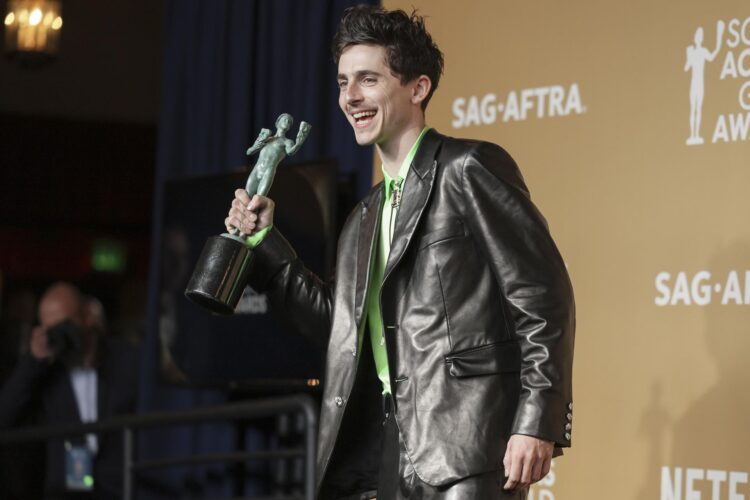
[650, 209]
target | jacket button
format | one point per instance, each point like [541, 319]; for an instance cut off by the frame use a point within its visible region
[567, 436]
[569, 416]
[570, 406]
[568, 426]
[339, 401]
[354, 352]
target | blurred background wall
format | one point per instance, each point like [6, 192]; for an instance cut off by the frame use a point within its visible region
[78, 138]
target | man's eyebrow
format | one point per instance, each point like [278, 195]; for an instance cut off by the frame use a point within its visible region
[359, 74]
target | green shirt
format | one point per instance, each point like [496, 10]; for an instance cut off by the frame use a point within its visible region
[383, 247]
[254, 240]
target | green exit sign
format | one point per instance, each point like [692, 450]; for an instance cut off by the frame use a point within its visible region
[109, 256]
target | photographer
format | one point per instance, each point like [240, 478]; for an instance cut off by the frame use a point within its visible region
[73, 374]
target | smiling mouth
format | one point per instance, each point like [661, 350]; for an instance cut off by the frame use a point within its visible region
[363, 118]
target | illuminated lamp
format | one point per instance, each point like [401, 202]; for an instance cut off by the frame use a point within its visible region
[32, 30]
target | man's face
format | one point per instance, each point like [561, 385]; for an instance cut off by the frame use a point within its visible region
[53, 310]
[377, 106]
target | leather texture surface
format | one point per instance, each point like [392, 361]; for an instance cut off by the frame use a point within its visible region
[476, 303]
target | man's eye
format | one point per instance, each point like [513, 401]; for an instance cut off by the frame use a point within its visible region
[342, 84]
[369, 80]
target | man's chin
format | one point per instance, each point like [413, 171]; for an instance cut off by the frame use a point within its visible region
[364, 139]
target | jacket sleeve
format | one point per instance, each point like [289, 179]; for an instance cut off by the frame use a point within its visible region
[21, 389]
[299, 297]
[539, 301]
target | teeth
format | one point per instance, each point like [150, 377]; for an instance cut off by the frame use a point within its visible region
[363, 114]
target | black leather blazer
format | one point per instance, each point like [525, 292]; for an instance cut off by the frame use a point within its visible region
[476, 302]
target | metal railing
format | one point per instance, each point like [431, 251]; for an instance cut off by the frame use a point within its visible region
[128, 424]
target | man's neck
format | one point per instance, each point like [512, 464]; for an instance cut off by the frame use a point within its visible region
[393, 152]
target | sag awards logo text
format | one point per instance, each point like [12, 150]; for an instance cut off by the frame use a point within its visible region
[518, 105]
[732, 48]
[701, 289]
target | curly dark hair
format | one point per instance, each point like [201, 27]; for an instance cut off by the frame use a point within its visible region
[410, 51]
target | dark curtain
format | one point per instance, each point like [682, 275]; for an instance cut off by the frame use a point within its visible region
[229, 69]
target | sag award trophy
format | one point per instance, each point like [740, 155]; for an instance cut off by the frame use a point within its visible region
[221, 272]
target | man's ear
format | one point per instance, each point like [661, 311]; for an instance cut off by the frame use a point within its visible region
[420, 89]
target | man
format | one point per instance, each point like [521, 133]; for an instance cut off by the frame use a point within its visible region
[72, 375]
[450, 296]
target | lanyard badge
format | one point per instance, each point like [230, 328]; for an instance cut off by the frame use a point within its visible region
[79, 471]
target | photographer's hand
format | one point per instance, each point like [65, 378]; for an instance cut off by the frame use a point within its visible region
[38, 344]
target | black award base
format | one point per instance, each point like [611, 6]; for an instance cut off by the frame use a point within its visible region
[220, 275]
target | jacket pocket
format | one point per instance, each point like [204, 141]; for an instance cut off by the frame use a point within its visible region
[488, 359]
[454, 230]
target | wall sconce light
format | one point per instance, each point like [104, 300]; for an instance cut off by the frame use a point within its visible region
[32, 30]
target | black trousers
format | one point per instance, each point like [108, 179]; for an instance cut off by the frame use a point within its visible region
[397, 479]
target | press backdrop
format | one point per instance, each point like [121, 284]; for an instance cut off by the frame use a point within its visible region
[593, 99]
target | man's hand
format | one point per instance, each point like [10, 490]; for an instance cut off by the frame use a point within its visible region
[527, 460]
[249, 216]
[38, 344]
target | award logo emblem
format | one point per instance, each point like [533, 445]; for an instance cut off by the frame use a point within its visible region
[696, 59]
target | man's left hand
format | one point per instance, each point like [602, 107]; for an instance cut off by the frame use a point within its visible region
[527, 460]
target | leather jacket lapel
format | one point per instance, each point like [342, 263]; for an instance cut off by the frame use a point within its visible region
[368, 225]
[417, 189]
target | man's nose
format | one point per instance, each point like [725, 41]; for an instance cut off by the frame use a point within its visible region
[352, 94]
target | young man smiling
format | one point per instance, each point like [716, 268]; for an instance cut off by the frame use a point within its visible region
[381, 109]
[450, 326]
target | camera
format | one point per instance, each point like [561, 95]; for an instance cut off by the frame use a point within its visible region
[65, 340]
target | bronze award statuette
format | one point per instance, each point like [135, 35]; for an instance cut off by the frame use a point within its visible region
[220, 274]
